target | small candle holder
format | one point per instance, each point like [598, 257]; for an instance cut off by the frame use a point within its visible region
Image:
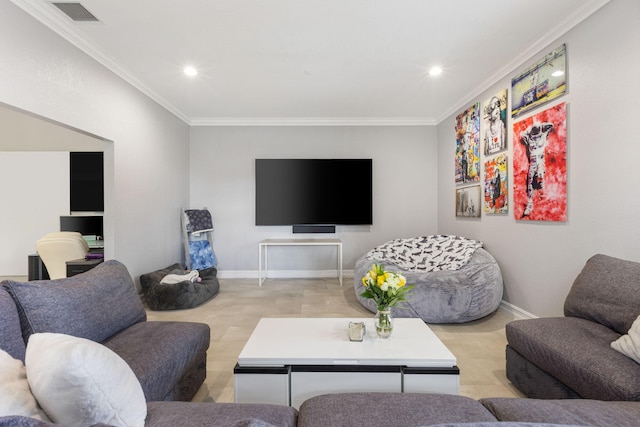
[357, 331]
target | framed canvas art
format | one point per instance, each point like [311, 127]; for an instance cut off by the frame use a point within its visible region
[468, 202]
[540, 83]
[494, 121]
[467, 158]
[540, 166]
[496, 199]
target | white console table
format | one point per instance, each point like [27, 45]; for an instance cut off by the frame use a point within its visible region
[263, 252]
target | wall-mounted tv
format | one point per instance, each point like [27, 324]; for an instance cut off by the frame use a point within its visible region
[86, 190]
[314, 192]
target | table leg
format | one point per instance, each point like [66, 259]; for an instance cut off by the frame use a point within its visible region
[340, 263]
[259, 264]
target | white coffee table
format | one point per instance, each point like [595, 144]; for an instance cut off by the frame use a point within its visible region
[286, 361]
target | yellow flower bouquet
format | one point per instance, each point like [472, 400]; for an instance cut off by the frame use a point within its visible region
[386, 289]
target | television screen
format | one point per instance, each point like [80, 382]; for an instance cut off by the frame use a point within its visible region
[85, 225]
[314, 192]
[86, 190]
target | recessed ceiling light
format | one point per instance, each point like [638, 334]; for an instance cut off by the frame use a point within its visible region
[435, 71]
[190, 71]
[557, 73]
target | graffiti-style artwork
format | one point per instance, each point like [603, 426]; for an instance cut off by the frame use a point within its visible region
[540, 83]
[494, 120]
[467, 159]
[540, 166]
[496, 199]
[468, 202]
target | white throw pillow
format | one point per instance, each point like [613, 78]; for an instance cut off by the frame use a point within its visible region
[80, 382]
[629, 344]
[15, 394]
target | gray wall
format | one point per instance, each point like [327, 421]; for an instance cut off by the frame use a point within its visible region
[145, 166]
[539, 260]
[222, 178]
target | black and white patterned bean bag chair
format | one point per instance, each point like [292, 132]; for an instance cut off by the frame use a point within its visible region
[456, 279]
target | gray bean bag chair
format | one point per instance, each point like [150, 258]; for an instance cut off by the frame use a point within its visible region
[456, 280]
[181, 295]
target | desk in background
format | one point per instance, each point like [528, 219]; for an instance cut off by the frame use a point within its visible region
[38, 271]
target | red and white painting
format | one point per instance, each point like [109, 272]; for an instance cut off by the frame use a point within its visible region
[540, 166]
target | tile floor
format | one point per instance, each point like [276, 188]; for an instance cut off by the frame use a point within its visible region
[235, 311]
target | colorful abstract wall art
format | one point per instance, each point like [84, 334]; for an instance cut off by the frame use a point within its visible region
[540, 166]
[496, 198]
[540, 83]
[494, 123]
[467, 158]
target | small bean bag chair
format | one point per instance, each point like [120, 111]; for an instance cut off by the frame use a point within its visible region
[176, 295]
[456, 279]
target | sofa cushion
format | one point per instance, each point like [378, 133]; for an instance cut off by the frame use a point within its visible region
[578, 353]
[159, 353]
[21, 421]
[565, 411]
[93, 305]
[81, 382]
[10, 334]
[389, 409]
[200, 414]
[607, 291]
[503, 424]
[533, 381]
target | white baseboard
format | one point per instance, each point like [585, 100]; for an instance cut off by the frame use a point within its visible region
[516, 311]
[284, 274]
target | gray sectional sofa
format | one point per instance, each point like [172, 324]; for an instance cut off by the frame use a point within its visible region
[102, 305]
[412, 410]
[168, 359]
[571, 356]
[384, 410]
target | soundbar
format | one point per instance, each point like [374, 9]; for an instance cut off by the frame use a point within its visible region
[314, 228]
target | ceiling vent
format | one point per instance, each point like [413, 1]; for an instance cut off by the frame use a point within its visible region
[76, 12]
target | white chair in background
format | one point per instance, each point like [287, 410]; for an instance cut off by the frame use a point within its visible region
[55, 249]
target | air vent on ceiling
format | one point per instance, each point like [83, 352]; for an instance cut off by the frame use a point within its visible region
[76, 12]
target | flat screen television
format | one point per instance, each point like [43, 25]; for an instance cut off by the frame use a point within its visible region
[314, 192]
[85, 225]
[86, 181]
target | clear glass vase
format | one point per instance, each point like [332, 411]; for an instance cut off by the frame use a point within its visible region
[383, 322]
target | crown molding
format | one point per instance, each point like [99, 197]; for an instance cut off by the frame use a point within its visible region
[58, 23]
[313, 121]
[579, 14]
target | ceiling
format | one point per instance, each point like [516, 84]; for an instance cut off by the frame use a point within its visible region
[314, 61]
